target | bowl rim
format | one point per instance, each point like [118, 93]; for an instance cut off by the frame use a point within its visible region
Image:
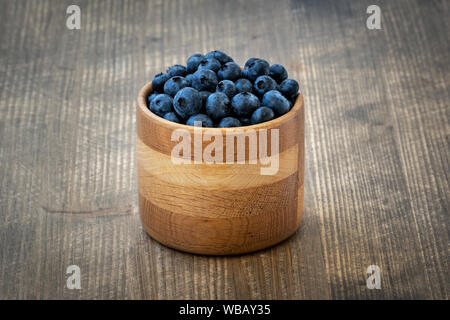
[147, 89]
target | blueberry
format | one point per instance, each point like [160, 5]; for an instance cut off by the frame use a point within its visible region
[276, 101]
[245, 121]
[289, 88]
[255, 69]
[175, 84]
[227, 87]
[171, 116]
[159, 80]
[264, 84]
[243, 85]
[244, 73]
[256, 94]
[203, 118]
[220, 56]
[229, 71]
[278, 72]
[209, 63]
[244, 103]
[187, 102]
[204, 79]
[161, 104]
[193, 62]
[218, 106]
[249, 61]
[151, 97]
[262, 114]
[204, 96]
[229, 122]
[189, 79]
[177, 70]
[293, 99]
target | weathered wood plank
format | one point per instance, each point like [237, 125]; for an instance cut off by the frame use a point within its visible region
[377, 160]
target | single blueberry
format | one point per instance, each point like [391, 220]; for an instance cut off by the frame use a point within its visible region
[151, 97]
[227, 87]
[289, 88]
[262, 114]
[218, 106]
[204, 79]
[187, 102]
[243, 85]
[159, 80]
[229, 71]
[244, 103]
[177, 70]
[189, 79]
[171, 116]
[264, 84]
[204, 120]
[229, 122]
[278, 72]
[249, 61]
[255, 69]
[245, 121]
[244, 74]
[276, 101]
[161, 104]
[193, 62]
[291, 104]
[293, 99]
[175, 84]
[209, 63]
[220, 56]
[204, 96]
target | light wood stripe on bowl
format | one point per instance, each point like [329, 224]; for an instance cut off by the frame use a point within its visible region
[156, 165]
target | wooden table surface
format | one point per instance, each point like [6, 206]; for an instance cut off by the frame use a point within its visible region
[377, 148]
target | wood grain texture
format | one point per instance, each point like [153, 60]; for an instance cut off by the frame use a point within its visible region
[376, 149]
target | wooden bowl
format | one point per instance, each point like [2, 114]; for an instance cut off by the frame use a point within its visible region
[219, 208]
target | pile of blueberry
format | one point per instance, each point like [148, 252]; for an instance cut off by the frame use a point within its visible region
[214, 90]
